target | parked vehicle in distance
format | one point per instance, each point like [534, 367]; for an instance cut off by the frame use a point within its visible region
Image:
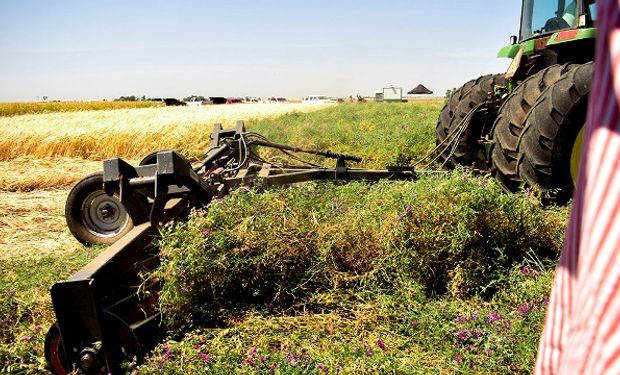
[234, 100]
[173, 101]
[252, 99]
[217, 100]
[274, 99]
[316, 99]
[194, 100]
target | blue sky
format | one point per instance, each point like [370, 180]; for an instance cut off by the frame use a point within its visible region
[104, 49]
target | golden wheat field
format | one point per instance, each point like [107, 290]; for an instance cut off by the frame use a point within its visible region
[20, 108]
[128, 133]
[43, 155]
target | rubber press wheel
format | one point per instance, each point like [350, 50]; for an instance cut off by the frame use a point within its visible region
[463, 147]
[510, 121]
[54, 352]
[95, 218]
[126, 346]
[549, 146]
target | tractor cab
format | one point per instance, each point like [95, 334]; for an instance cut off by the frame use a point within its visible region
[552, 32]
[541, 17]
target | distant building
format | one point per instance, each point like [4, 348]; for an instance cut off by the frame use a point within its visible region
[420, 90]
[390, 94]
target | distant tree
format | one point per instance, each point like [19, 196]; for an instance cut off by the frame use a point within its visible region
[449, 92]
[131, 98]
[195, 97]
[44, 97]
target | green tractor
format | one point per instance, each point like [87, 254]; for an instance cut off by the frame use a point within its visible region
[526, 125]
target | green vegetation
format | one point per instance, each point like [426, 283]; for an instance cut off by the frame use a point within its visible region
[14, 109]
[382, 134]
[442, 275]
[25, 307]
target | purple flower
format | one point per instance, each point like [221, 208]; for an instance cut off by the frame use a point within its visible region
[527, 271]
[252, 352]
[248, 362]
[167, 353]
[545, 300]
[206, 358]
[381, 344]
[462, 319]
[408, 214]
[322, 367]
[292, 358]
[273, 367]
[369, 351]
[25, 338]
[524, 308]
[474, 315]
[462, 335]
[493, 317]
[507, 323]
[206, 233]
[458, 359]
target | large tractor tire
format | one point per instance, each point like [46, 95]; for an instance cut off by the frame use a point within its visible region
[445, 118]
[550, 144]
[510, 121]
[461, 147]
[95, 218]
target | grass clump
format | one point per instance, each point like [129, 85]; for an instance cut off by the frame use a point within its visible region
[458, 236]
[446, 273]
[26, 311]
[401, 332]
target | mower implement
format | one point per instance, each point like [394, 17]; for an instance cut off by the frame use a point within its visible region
[107, 313]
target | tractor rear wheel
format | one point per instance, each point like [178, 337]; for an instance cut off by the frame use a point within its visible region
[549, 141]
[461, 146]
[510, 121]
[95, 218]
[445, 117]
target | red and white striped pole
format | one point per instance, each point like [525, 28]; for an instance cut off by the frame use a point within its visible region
[582, 328]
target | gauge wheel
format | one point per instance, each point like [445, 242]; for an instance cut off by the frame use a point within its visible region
[55, 353]
[96, 218]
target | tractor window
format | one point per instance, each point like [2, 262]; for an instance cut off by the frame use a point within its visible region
[592, 11]
[546, 16]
